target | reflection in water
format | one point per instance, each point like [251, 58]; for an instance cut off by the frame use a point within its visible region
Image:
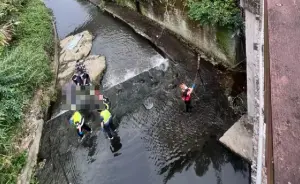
[215, 160]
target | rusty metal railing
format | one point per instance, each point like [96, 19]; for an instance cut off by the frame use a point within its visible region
[268, 108]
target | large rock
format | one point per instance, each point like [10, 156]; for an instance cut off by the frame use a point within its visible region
[65, 72]
[75, 47]
[95, 66]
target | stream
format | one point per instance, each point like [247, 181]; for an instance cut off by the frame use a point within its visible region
[160, 143]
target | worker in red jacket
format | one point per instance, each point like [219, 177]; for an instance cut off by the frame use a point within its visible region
[186, 96]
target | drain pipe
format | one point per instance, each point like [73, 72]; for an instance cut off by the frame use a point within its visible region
[261, 101]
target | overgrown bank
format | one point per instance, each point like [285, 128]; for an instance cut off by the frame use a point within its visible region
[25, 53]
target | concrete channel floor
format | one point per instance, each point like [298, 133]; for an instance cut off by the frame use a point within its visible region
[238, 138]
[284, 45]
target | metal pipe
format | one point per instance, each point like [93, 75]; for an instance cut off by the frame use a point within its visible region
[268, 107]
[261, 100]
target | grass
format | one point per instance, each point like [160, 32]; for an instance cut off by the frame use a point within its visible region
[24, 67]
[34, 180]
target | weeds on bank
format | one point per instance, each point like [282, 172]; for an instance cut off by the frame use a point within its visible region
[24, 66]
[33, 179]
[220, 13]
[9, 10]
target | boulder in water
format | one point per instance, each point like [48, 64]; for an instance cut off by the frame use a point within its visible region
[75, 47]
[95, 66]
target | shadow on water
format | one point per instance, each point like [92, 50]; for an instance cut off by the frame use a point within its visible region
[158, 142]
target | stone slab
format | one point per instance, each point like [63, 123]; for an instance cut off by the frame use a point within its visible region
[239, 139]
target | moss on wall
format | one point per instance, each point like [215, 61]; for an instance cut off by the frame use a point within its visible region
[173, 14]
[127, 3]
[226, 42]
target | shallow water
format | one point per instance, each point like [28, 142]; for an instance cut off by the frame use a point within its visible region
[127, 54]
[160, 143]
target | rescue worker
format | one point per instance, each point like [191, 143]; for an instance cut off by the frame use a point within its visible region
[106, 121]
[77, 80]
[85, 78]
[82, 77]
[77, 120]
[186, 96]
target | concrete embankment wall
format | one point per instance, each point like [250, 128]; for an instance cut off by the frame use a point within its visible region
[255, 97]
[255, 83]
[218, 44]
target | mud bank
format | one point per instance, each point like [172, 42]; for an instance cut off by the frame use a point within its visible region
[159, 145]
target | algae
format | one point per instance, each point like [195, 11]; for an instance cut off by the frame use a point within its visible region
[226, 43]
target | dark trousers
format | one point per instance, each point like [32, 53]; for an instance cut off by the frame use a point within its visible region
[109, 128]
[188, 106]
[77, 80]
[84, 127]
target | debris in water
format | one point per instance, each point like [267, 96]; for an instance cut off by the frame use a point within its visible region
[148, 103]
[163, 66]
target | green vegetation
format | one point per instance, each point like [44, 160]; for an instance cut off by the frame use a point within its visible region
[126, 3]
[33, 179]
[25, 43]
[219, 13]
[224, 41]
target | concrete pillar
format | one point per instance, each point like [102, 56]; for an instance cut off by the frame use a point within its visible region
[255, 76]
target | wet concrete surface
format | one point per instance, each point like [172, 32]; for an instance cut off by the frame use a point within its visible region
[160, 144]
[284, 39]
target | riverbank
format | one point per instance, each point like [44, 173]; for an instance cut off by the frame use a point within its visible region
[27, 74]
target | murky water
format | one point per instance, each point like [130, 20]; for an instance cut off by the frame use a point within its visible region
[160, 143]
